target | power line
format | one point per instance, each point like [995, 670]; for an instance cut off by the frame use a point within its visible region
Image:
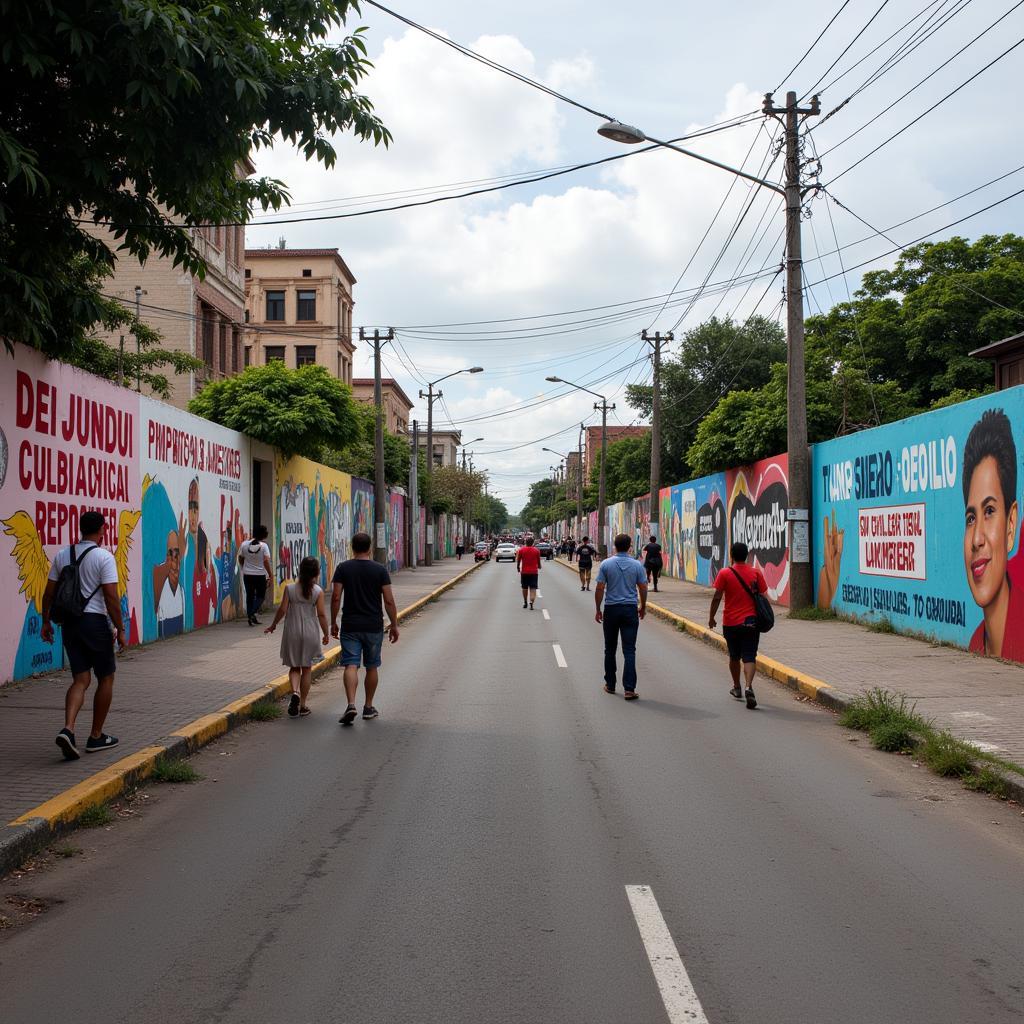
[817, 40]
[847, 49]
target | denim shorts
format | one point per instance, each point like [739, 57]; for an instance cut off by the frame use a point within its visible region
[742, 642]
[361, 646]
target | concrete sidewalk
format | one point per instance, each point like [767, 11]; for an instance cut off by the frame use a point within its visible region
[161, 688]
[978, 699]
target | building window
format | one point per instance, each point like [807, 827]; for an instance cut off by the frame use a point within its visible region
[236, 351]
[305, 355]
[274, 352]
[247, 316]
[306, 309]
[307, 272]
[207, 328]
[275, 305]
[223, 348]
[248, 274]
[248, 354]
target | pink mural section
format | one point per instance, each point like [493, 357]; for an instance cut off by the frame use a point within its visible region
[68, 444]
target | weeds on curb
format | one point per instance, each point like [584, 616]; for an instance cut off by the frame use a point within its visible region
[893, 724]
[172, 769]
[812, 613]
[96, 817]
[265, 710]
[880, 626]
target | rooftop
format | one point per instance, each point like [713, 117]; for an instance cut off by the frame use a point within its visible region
[388, 382]
[269, 253]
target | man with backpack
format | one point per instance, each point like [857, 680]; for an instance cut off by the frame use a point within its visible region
[81, 592]
[741, 585]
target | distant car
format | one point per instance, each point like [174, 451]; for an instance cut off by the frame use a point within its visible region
[546, 549]
[482, 552]
[505, 552]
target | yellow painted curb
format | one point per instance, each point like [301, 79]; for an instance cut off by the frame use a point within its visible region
[96, 789]
[64, 808]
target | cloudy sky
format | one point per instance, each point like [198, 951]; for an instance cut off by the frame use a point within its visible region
[560, 276]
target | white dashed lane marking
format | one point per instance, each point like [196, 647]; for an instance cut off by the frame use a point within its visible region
[546, 616]
[559, 656]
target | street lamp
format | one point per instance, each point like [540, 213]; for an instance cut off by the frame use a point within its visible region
[801, 592]
[430, 396]
[602, 547]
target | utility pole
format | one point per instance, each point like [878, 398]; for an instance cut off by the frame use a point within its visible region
[655, 510]
[380, 547]
[412, 509]
[579, 489]
[139, 292]
[428, 554]
[602, 527]
[800, 583]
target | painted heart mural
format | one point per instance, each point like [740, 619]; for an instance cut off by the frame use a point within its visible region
[758, 499]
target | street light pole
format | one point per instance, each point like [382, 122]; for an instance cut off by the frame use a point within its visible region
[430, 396]
[654, 515]
[800, 582]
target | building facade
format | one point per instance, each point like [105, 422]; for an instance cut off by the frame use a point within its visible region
[446, 446]
[593, 444]
[397, 404]
[298, 307]
[202, 318]
[1007, 357]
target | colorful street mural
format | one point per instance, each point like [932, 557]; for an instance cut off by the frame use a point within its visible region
[396, 531]
[693, 528]
[313, 516]
[69, 442]
[195, 492]
[918, 523]
[758, 499]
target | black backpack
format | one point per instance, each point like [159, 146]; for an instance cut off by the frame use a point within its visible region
[68, 600]
[764, 613]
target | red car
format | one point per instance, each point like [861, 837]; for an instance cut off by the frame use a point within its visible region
[482, 553]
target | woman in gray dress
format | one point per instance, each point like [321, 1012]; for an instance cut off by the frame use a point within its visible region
[305, 629]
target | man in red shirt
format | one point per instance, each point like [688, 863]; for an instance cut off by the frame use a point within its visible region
[739, 621]
[528, 566]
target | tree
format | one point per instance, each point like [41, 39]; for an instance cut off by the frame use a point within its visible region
[490, 513]
[300, 412]
[714, 358]
[538, 513]
[455, 489]
[359, 457]
[136, 114]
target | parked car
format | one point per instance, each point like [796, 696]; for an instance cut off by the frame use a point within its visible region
[546, 549]
[505, 552]
[482, 552]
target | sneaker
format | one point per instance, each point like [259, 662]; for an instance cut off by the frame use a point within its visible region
[102, 742]
[251, 620]
[524, 604]
[66, 741]
[304, 712]
[350, 715]
[531, 606]
[370, 712]
[751, 700]
[736, 692]
[631, 695]
[293, 706]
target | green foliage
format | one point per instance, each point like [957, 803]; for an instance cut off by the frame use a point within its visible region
[138, 114]
[946, 755]
[359, 458]
[96, 817]
[812, 613]
[539, 509]
[490, 513]
[455, 489]
[266, 710]
[300, 412]
[986, 780]
[174, 770]
[877, 707]
[891, 736]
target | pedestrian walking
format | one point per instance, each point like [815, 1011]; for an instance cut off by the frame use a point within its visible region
[460, 549]
[365, 585]
[305, 631]
[81, 597]
[652, 561]
[528, 567]
[572, 548]
[585, 554]
[738, 583]
[254, 558]
[622, 586]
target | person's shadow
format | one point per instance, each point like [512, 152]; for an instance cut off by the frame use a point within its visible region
[689, 714]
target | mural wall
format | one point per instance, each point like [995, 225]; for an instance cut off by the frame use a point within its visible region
[918, 523]
[195, 506]
[758, 499]
[69, 442]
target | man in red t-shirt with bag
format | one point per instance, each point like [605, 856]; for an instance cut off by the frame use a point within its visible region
[528, 565]
[737, 583]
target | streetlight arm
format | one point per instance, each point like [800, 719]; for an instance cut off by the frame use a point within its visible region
[455, 373]
[579, 387]
[774, 186]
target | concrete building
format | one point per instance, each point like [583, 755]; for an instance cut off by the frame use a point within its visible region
[298, 306]
[201, 318]
[397, 404]
[572, 474]
[446, 446]
[593, 444]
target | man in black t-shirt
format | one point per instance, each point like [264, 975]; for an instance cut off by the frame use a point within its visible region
[364, 584]
[585, 559]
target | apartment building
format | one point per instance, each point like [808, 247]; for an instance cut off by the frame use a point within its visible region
[446, 446]
[397, 404]
[298, 308]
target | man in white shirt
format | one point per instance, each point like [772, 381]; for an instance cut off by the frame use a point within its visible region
[254, 558]
[88, 642]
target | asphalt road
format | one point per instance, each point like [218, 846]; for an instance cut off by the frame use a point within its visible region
[466, 857]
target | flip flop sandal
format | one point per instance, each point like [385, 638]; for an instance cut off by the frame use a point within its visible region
[632, 695]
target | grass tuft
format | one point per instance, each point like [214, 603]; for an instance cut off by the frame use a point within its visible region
[96, 817]
[946, 755]
[812, 613]
[894, 737]
[67, 851]
[174, 769]
[985, 780]
[877, 707]
[881, 626]
[265, 710]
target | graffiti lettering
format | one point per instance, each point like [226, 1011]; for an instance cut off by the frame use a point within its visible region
[56, 471]
[57, 523]
[928, 467]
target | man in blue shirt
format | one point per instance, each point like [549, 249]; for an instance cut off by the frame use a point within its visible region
[620, 580]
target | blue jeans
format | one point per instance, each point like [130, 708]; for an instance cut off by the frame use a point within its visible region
[620, 620]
